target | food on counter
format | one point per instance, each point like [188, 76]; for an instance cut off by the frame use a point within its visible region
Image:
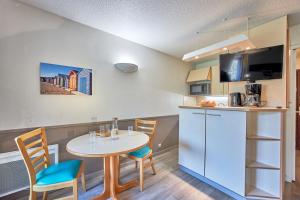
[207, 103]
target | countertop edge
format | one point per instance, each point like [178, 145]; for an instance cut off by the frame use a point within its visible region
[240, 109]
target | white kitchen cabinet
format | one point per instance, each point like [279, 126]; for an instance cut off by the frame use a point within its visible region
[226, 149]
[192, 139]
[237, 150]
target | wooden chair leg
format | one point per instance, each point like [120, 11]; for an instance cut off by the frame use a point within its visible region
[152, 165]
[118, 167]
[83, 182]
[45, 195]
[141, 175]
[75, 189]
[32, 195]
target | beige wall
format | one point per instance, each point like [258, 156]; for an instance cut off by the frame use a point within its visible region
[29, 36]
[269, 34]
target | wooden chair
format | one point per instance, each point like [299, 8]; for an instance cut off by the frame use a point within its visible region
[43, 176]
[144, 153]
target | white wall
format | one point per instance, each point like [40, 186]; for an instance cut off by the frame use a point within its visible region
[291, 113]
[29, 36]
[294, 35]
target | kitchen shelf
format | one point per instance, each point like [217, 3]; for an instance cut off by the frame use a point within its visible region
[259, 137]
[263, 156]
[256, 193]
[259, 165]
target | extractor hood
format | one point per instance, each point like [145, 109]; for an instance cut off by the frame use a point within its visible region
[234, 44]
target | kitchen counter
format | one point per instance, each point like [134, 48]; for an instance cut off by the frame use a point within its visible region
[241, 109]
[238, 150]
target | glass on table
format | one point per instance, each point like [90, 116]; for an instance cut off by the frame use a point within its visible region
[130, 130]
[107, 128]
[92, 136]
[102, 130]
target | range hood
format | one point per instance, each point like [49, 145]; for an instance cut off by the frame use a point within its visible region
[203, 74]
[234, 44]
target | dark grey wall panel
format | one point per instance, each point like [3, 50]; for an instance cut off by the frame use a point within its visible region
[167, 136]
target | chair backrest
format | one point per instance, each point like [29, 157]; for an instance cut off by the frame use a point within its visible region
[148, 127]
[37, 157]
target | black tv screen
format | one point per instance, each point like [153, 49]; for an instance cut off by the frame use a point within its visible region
[258, 64]
[231, 67]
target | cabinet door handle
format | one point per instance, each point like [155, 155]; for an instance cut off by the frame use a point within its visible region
[216, 115]
[196, 113]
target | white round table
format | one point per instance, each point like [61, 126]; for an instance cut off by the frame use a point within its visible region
[109, 149]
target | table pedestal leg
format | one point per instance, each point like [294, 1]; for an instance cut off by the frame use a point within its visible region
[122, 187]
[106, 180]
[111, 179]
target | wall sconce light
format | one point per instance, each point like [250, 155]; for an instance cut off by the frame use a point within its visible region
[126, 67]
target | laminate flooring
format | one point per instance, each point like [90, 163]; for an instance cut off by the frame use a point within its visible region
[169, 183]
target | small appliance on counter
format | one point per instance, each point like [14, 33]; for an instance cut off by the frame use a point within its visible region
[253, 94]
[237, 99]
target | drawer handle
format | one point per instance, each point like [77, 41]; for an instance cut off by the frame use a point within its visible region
[216, 115]
[196, 113]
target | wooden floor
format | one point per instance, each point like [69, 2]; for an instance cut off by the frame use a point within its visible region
[169, 184]
[292, 191]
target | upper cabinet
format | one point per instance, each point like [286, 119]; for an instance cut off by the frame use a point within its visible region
[208, 75]
[198, 75]
[217, 88]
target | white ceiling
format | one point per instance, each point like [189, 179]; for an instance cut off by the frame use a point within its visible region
[170, 26]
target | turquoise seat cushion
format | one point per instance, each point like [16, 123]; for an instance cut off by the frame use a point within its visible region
[141, 153]
[58, 173]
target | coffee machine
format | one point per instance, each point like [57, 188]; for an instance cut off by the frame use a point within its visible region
[253, 94]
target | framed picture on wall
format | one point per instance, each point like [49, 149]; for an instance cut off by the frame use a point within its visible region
[65, 80]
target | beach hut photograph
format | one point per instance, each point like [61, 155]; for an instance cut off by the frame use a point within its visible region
[84, 81]
[73, 80]
[65, 80]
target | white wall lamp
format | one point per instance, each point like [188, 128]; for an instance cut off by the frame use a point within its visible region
[126, 67]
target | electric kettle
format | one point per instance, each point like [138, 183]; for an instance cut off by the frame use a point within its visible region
[237, 99]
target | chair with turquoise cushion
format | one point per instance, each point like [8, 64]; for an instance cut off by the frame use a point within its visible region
[43, 175]
[144, 153]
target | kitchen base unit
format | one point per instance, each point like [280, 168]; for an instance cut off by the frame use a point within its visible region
[237, 150]
[212, 183]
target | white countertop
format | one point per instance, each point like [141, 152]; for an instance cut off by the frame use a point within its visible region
[241, 109]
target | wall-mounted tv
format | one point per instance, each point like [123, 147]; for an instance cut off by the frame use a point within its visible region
[252, 65]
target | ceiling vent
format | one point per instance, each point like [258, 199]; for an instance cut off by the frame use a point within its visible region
[233, 44]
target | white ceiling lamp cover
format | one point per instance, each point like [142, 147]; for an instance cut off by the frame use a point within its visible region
[237, 43]
[126, 67]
